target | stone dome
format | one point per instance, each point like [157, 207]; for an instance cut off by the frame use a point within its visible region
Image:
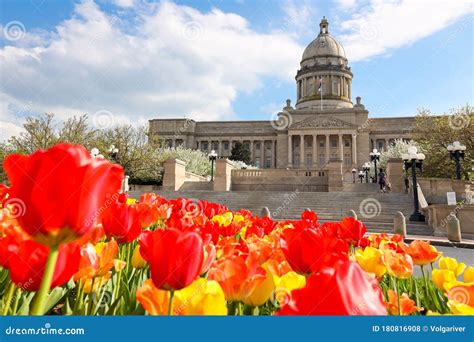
[324, 79]
[324, 46]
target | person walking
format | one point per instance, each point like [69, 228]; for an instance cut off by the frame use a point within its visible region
[382, 180]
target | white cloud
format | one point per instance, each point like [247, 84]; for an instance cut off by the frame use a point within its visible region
[300, 17]
[176, 61]
[383, 26]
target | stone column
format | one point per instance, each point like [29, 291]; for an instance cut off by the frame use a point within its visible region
[315, 150]
[251, 151]
[223, 177]
[335, 179]
[290, 151]
[395, 175]
[354, 149]
[198, 145]
[262, 154]
[341, 148]
[219, 145]
[302, 150]
[327, 148]
[173, 142]
[174, 175]
[209, 145]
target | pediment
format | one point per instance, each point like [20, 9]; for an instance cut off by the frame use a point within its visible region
[321, 121]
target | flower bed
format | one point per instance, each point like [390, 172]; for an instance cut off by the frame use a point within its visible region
[70, 243]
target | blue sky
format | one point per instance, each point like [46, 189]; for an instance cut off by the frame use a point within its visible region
[132, 60]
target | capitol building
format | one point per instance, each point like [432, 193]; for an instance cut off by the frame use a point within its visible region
[324, 124]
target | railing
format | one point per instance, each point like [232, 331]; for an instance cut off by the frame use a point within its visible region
[280, 173]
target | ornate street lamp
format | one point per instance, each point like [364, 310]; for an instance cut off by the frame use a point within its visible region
[361, 176]
[375, 156]
[212, 158]
[113, 153]
[354, 171]
[366, 169]
[456, 152]
[414, 160]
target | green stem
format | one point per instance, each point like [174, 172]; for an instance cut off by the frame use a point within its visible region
[398, 297]
[17, 300]
[8, 298]
[40, 299]
[170, 304]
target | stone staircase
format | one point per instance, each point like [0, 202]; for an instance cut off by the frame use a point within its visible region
[375, 209]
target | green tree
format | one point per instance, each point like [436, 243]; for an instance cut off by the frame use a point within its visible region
[240, 153]
[433, 134]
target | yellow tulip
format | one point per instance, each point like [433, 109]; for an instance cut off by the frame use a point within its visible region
[458, 308]
[442, 278]
[131, 201]
[224, 219]
[370, 259]
[137, 260]
[201, 297]
[290, 281]
[263, 292]
[469, 275]
[447, 263]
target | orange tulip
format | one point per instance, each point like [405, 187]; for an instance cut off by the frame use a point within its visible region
[238, 276]
[407, 305]
[96, 265]
[398, 265]
[421, 252]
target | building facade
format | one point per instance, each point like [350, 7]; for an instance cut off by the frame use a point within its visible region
[324, 124]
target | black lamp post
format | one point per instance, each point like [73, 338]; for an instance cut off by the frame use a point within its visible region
[366, 169]
[354, 171]
[456, 152]
[212, 158]
[361, 176]
[414, 160]
[375, 156]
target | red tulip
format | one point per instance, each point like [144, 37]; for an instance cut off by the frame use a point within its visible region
[28, 264]
[122, 221]
[352, 230]
[344, 289]
[175, 257]
[307, 250]
[62, 191]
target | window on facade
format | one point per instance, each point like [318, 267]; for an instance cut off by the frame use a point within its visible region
[347, 143]
[215, 145]
[321, 143]
[308, 142]
[296, 159]
[204, 146]
[322, 160]
[347, 159]
[309, 160]
[257, 162]
[335, 88]
[334, 143]
[380, 145]
[226, 145]
[257, 146]
[268, 162]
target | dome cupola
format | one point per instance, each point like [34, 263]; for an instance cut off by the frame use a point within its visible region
[325, 77]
